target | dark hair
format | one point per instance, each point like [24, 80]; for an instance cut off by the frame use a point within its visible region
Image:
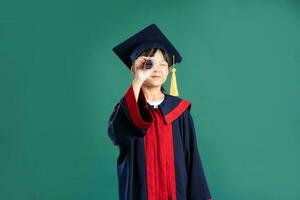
[151, 52]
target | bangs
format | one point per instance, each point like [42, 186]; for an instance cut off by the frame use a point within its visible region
[151, 52]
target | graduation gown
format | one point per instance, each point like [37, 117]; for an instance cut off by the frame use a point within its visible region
[159, 158]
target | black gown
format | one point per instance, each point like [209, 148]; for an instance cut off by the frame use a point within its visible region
[159, 158]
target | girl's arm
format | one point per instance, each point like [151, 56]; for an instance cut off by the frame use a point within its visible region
[137, 85]
[131, 117]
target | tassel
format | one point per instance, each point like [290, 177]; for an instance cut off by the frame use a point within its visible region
[173, 87]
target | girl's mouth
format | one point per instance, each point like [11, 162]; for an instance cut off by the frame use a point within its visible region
[155, 78]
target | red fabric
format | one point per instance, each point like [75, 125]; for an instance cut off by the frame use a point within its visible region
[160, 169]
[177, 111]
[159, 152]
[134, 109]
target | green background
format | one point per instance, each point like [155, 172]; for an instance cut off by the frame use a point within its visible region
[59, 82]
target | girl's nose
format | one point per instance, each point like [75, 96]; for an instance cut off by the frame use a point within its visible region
[156, 69]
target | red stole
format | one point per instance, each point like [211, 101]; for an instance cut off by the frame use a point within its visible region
[159, 152]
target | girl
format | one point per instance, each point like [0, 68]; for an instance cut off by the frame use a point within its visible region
[159, 158]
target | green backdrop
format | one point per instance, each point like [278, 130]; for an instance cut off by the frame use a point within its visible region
[59, 82]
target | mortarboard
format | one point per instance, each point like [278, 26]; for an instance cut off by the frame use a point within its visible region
[148, 38]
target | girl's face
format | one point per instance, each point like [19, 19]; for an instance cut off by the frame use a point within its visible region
[160, 72]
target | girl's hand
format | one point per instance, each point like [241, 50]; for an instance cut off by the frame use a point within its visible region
[138, 70]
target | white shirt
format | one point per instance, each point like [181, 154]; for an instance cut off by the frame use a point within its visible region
[155, 103]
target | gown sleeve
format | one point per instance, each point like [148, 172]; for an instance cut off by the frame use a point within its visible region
[197, 184]
[130, 118]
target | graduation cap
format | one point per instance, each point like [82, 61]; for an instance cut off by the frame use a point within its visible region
[148, 38]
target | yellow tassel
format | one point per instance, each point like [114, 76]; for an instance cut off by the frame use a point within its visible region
[173, 87]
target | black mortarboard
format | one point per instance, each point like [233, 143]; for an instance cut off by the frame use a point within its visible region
[149, 37]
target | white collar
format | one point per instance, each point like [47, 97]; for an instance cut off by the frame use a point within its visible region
[156, 103]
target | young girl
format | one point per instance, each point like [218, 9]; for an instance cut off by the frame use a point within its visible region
[159, 158]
